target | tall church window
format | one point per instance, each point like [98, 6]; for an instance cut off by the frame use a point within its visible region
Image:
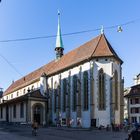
[59, 94]
[85, 90]
[50, 95]
[74, 92]
[68, 93]
[116, 90]
[64, 94]
[101, 97]
[22, 110]
[55, 96]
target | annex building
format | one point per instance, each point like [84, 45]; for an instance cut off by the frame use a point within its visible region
[132, 98]
[82, 88]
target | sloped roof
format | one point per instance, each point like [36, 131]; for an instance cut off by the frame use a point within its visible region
[35, 94]
[134, 92]
[97, 47]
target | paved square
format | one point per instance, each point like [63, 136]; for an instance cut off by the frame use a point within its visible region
[24, 133]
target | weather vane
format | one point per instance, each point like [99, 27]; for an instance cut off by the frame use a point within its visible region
[102, 29]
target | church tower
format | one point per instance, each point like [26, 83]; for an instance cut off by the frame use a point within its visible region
[59, 43]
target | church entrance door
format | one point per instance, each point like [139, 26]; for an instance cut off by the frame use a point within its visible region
[38, 113]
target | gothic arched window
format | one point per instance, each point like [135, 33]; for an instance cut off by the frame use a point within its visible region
[74, 92]
[64, 94]
[101, 96]
[116, 89]
[55, 96]
[85, 91]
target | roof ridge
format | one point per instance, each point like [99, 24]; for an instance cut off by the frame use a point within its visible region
[112, 50]
[96, 44]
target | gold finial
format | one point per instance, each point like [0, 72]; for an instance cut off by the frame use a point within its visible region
[58, 12]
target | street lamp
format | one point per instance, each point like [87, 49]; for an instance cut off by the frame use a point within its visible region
[119, 29]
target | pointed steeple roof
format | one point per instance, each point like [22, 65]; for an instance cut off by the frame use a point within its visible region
[59, 42]
[104, 49]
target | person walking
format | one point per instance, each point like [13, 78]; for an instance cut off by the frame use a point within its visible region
[135, 134]
[34, 128]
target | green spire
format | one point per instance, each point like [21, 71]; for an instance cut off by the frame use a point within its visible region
[59, 42]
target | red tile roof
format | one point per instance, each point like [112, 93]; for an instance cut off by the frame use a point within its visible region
[97, 47]
[134, 92]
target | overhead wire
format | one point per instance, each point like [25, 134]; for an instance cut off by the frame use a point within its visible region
[10, 64]
[52, 36]
[68, 34]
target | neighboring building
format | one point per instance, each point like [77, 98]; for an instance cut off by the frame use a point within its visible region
[137, 79]
[133, 99]
[126, 91]
[84, 85]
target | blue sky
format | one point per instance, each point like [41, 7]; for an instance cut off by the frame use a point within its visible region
[31, 18]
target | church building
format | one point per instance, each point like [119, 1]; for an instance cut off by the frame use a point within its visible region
[82, 88]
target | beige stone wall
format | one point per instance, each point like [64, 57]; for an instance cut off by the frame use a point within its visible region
[18, 118]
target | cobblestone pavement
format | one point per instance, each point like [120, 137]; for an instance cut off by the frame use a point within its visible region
[24, 133]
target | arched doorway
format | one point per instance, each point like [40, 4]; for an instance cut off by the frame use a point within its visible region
[38, 113]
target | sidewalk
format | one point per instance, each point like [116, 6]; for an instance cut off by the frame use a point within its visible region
[58, 133]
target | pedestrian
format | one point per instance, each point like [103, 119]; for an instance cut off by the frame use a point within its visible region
[68, 122]
[135, 134]
[71, 122]
[112, 126]
[59, 123]
[107, 128]
[34, 127]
